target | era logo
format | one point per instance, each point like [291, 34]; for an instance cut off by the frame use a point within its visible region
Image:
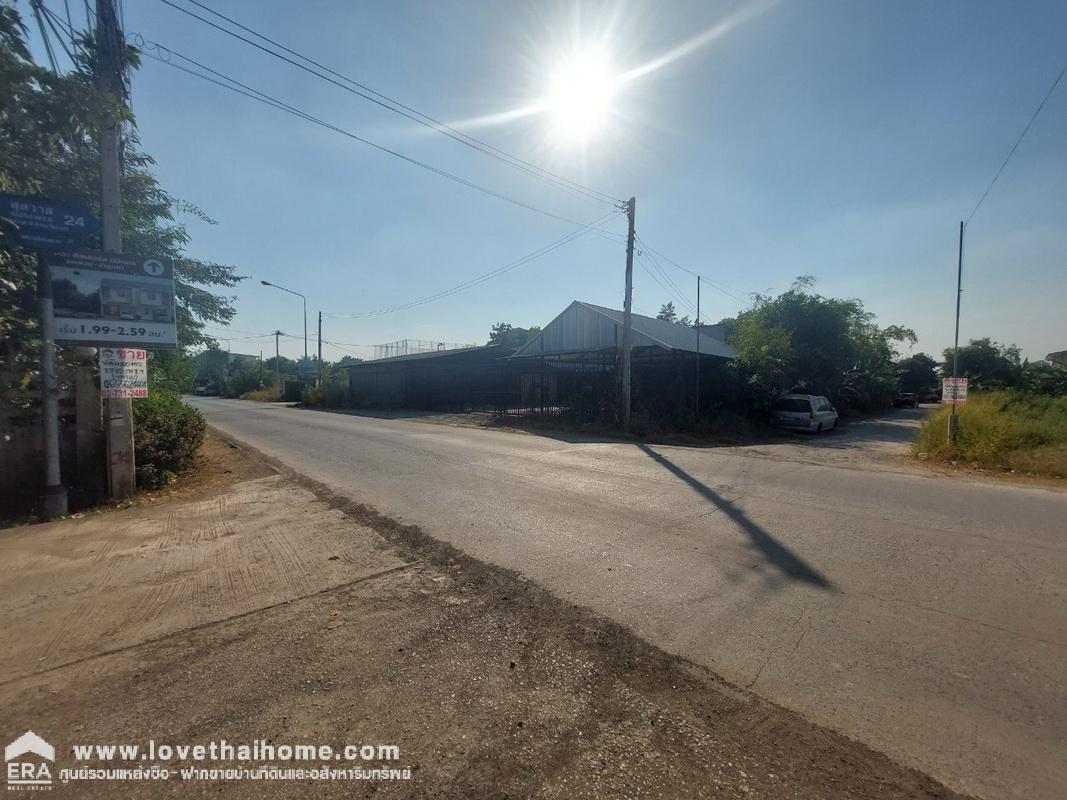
[22, 772]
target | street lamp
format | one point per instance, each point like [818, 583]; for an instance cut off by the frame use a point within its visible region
[276, 286]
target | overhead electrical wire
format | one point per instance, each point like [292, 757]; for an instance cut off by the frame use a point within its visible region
[1018, 141]
[234, 85]
[672, 293]
[711, 281]
[681, 295]
[510, 266]
[163, 53]
[384, 101]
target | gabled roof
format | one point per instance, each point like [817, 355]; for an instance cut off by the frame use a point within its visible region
[583, 327]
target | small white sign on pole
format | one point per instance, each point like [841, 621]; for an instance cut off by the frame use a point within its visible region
[954, 391]
[123, 373]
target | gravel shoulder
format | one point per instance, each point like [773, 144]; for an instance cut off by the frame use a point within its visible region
[270, 608]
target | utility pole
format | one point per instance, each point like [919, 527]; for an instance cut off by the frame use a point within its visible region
[627, 316]
[110, 77]
[320, 348]
[277, 358]
[953, 420]
[54, 502]
[698, 347]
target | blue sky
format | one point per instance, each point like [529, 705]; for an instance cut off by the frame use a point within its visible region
[844, 139]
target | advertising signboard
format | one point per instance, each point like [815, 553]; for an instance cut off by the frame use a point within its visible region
[44, 224]
[954, 391]
[123, 373]
[106, 299]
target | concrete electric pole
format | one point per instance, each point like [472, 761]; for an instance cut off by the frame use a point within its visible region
[627, 318]
[110, 78]
[54, 502]
[320, 349]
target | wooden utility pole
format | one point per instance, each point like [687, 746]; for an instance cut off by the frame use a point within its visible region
[627, 318]
[953, 420]
[110, 78]
[320, 348]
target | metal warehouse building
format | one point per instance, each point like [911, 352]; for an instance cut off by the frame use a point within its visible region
[571, 364]
[470, 377]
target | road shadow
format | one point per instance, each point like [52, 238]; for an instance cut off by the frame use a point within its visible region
[780, 556]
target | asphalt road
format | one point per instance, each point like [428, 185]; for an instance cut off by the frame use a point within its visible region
[923, 615]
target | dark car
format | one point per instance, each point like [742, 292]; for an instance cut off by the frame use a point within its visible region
[930, 397]
[906, 400]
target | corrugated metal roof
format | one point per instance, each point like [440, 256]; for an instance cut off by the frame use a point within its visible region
[587, 327]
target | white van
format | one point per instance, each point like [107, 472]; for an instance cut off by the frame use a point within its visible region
[804, 412]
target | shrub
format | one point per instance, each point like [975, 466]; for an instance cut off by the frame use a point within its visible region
[332, 394]
[166, 438]
[1002, 430]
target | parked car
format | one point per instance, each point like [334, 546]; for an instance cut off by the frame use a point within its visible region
[906, 400]
[804, 412]
[930, 397]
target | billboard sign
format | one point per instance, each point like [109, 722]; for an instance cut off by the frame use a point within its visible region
[44, 224]
[106, 299]
[954, 391]
[123, 373]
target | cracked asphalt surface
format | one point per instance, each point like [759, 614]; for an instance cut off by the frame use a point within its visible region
[923, 615]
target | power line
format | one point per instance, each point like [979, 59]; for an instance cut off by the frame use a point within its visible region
[671, 293]
[714, 284]
[390, 104]
[1018, 141]
[266, 99]
[513, 265]
[682, 296]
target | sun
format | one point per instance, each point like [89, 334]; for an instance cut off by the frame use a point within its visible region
[580, 98]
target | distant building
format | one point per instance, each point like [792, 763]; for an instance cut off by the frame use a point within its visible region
[1059, 357]
[463, 378]
[571, 365]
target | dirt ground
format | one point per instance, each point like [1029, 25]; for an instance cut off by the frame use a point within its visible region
[265, 608]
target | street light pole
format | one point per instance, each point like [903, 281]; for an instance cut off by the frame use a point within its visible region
[305, 301]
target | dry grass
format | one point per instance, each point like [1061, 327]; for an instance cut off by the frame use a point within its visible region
[1003, 430]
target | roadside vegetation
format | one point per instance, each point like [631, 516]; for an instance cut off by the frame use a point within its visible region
[1005, 430]
[48, 147]
[1015, 417]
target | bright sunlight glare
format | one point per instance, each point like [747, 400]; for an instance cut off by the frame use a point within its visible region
[580, 97]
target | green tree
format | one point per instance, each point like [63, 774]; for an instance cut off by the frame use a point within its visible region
[667, 312]
[801, 341]
[917, 373]
[986, 364]
[1041, 377]
[48, 148]
[506, 334]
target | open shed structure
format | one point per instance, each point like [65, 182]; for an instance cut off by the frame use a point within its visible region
[677, 370]
[460, 379]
